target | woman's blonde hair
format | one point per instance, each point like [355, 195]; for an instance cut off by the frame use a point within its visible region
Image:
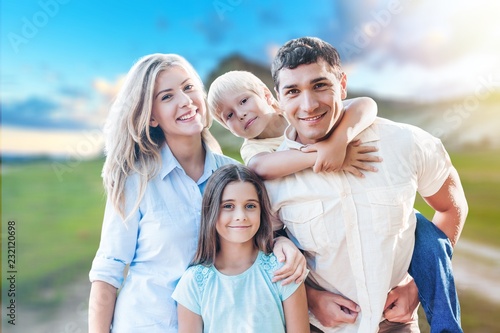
[131, 144]
[231, 83]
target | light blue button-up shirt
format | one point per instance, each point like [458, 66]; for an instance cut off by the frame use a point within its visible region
[158, 241]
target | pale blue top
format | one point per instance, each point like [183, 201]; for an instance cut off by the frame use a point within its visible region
[248, 302]
[158, 241]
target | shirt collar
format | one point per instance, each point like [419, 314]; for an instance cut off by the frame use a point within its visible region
[169, 163]
[370, 134]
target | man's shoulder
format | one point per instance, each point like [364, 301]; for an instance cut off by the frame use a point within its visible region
[384, 122]
[385, 126]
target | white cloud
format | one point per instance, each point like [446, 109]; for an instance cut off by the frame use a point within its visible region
[429, 50]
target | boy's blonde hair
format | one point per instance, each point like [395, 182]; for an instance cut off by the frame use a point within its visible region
[231, 83]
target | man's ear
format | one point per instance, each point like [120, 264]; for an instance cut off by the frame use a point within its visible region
[153, 123]
[343, 86]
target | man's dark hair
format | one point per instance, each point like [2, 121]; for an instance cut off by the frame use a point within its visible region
[304, 51]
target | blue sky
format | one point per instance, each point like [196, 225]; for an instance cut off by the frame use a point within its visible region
[61, 60]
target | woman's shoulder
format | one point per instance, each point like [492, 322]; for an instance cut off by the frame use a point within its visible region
[221, 160]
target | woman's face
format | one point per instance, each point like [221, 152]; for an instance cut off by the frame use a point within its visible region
[178, 104]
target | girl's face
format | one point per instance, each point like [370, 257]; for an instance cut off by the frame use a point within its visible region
[246, 114]
[239, 216]
[178, 104]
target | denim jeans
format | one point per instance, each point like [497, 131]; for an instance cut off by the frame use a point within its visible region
[431, 269]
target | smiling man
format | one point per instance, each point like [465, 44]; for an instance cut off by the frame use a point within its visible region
[359, 234]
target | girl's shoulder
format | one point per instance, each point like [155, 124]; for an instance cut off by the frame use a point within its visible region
[268, 262]
[200, 274]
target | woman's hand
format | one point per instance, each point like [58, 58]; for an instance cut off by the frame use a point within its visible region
[295, 267]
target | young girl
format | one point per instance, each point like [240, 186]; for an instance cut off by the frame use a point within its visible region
[242, 103]
[229, 288]
[160, 155]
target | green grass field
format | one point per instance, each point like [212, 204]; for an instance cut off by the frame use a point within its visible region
[58, 220]
[480, 176]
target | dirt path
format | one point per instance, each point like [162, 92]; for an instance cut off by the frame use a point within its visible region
[476, 266]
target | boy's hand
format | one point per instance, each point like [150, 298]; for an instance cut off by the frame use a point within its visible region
[330, 157]
[354, 158]
[358, 157]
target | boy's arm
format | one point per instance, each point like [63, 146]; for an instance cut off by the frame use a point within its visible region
[296, 315]
[189, 322]
[281, 163]
[359, 114]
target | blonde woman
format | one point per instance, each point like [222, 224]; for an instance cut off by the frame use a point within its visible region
[159, 156]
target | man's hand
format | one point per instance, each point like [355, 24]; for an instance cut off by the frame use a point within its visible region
[402, 301]
[331, 309]
[295, 267]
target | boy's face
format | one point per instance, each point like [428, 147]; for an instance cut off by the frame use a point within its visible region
[246, 114]
[311, 97]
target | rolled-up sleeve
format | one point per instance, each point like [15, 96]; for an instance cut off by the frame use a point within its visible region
[118, 240]
[435, 164]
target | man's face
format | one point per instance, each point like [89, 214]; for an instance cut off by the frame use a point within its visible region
[311, 97]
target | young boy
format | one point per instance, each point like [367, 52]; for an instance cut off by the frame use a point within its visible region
[243, 104]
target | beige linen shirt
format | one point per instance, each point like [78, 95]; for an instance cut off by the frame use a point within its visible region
[358, 233]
